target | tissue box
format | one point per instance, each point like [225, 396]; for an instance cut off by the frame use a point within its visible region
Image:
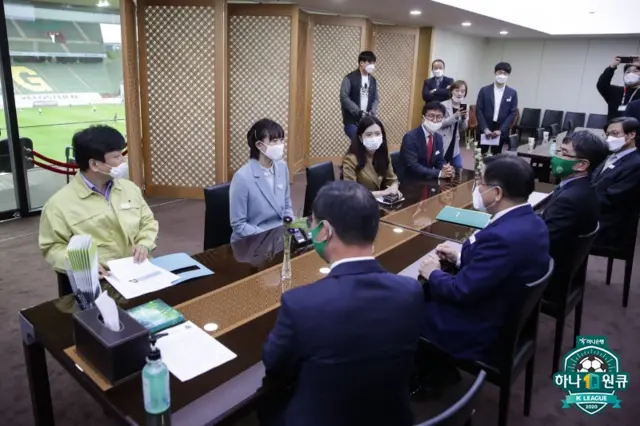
[115, 354]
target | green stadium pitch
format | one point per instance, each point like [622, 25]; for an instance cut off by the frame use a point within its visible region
[52, 131]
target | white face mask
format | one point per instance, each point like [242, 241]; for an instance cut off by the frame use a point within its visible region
[631, 78]
[370, 68]
[478, 202]
[274, 152]
[458, 99]
[438, 73]
[501, 79]
[372, 143]
[615, 143]
[431, 127]
[118, 172]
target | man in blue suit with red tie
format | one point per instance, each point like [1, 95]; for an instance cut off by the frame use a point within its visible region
[465, 312]
[422, 149]
[496, 108]
[348, 340]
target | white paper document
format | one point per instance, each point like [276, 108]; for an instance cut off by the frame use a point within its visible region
[188, 351]
[537, 197]
[135, 279]
[484, 140]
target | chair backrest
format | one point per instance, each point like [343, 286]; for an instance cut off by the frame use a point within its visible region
[554, 129]
[597, 121]
[551, 116]
[573, 120]
[522, 321]
[462, 411]
[217, 224]
[513, 142]
[317, 176]
[397, 164]
[473, 119]
[531, 117]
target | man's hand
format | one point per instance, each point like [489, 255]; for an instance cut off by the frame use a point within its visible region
[615, 63]
[102, 272]
[487, 132]
[497, 133]
[428, 265]
[446, 252]
[140, 254]
[447, 171]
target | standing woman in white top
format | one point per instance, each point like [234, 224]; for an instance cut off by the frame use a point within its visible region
[259, 198]
[455, 123]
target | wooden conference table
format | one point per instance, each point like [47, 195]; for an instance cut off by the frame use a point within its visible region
[242, 298]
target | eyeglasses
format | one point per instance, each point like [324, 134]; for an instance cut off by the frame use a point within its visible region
[435, 118]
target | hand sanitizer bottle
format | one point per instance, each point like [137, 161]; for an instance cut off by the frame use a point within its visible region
[155, 382]
[552, 147]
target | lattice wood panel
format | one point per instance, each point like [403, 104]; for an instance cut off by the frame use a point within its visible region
[297, 147]
[335, 54]
[394, 71]
[180, 73]
[259, 58]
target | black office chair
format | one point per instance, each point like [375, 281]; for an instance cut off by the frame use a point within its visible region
[515, 349]
[573, 120]
[397, 164]
[551, 116]
[529, 122]
[597, 121]
[566, 290]
[514, 141]
[625, 251]
[460, 413]
[217, 224]
[317, 176]
[64, 285]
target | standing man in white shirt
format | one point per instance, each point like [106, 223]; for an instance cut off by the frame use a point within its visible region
[359, 93]
[496, 108]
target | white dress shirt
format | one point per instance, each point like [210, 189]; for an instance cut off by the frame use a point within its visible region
[270, 176]
[364, 93]
[611, 160]
[498, 92]
[350, 259]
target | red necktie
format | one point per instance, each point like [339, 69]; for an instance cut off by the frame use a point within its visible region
[429, 149]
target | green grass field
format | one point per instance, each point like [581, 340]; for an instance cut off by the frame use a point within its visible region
[53, 130]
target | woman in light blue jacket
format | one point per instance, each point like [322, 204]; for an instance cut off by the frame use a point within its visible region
[259, 194]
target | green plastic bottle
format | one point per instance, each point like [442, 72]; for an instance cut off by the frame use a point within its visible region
[155, 382]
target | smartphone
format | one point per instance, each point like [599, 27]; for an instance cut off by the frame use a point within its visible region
[463, 107]
[626, 59]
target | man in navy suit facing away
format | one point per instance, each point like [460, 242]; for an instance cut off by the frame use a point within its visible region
[348, 340]
[465, 312]
[496, 108]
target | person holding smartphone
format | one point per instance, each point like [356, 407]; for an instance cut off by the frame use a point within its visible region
[619, 97]
[456, 121]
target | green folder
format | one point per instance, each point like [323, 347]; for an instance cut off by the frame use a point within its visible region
[471, 218]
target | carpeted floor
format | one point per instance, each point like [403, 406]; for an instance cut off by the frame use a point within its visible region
[26, 280]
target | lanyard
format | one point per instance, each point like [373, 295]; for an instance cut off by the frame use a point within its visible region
[624, 94]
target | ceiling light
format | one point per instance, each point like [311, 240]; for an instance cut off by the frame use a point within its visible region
[504, 32]
[103, 3]
[415, 12]
[466, 24]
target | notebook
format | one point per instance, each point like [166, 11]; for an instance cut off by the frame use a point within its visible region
[465, 217]
[156, 315]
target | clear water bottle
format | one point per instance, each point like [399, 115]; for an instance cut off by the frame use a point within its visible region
[155, 382]
[552, 147]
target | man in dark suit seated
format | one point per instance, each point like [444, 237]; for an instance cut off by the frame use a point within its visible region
[465, 312]
[633, 111]
[436, 88]
[617, 182]
[496, 108]
[422, 149]
[573, 209]
[349, 339]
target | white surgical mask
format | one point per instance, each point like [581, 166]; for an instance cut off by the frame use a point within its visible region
[274, 152]
[118, 172]
[438, 73]
[478, 202]
[501, 79]
[615, 143]
[372, 143]
[370, 68]
[431, 127]
[631, 78]
[458, 99]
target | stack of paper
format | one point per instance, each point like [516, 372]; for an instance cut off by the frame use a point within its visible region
[82, 269]
[135, 279]
[536, 198]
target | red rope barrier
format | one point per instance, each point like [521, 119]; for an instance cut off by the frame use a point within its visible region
[54, 162]
[53, 169]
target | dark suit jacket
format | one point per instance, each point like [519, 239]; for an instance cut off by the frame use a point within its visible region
[618, 191]
[441, 94]
[571, 211]
[465, 313]
[633, 110]
[508, 109]
[413, 152]
[349, 339]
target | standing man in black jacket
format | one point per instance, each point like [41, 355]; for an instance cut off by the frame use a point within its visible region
[436, 88]
[618, 97]
[359, 93]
